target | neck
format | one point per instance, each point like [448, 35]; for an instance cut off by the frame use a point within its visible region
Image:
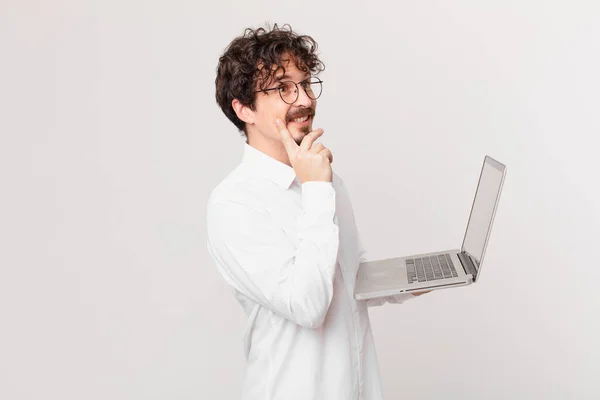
[272, 148]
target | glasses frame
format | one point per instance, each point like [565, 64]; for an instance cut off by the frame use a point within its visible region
[297, 90]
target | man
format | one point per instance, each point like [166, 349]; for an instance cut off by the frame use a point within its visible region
[282, 233]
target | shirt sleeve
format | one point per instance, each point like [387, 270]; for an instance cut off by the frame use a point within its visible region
[258, 258]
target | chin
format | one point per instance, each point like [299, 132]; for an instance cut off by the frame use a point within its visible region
[300, 134]
[304, 130]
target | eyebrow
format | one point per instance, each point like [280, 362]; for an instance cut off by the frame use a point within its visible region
[286, 76]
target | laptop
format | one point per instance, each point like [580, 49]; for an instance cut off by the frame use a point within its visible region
[440, 269]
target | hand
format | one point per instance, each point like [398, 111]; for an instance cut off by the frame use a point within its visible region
[311, 163]
[420, 293]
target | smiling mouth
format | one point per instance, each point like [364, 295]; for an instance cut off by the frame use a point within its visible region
[300, 120]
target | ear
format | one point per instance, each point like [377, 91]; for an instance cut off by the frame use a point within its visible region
[243, 112]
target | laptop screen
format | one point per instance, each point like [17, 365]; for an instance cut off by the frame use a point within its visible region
[482, 212]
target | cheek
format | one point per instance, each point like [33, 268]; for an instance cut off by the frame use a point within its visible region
[278, 112]
[269, 112]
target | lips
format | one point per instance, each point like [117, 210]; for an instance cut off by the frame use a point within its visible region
[300, 119]
[304, 121]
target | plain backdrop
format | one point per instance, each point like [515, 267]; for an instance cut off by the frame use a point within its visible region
[111, 142]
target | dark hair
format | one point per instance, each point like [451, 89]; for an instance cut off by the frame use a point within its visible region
[254, 56]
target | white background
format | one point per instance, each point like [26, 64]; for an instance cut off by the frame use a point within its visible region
[111, 142]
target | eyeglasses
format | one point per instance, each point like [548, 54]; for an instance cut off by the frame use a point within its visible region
[288, 90]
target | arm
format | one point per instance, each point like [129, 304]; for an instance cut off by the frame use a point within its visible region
[257, 258]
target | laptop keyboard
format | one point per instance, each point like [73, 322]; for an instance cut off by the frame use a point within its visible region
[430, 268]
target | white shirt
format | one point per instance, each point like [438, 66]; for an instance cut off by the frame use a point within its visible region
[290, 252]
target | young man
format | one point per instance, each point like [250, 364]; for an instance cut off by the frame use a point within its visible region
[282, 233]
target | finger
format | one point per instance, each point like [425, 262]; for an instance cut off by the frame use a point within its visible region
[308, 140]
[320, 148]
[421, 293]
[326, 152]
[288, 142]
[316, 148]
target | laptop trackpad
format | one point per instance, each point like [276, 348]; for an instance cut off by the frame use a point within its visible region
[380, 274]
[383, 271]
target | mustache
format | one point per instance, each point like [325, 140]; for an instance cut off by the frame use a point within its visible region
[307, 112]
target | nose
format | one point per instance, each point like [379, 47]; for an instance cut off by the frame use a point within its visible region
[303, 99]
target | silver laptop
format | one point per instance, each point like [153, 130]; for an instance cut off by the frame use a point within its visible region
[440, 269]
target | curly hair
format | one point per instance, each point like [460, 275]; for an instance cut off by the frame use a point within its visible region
[257, 56]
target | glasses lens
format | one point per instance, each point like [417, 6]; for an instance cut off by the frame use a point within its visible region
[288, 92]
[314, 88]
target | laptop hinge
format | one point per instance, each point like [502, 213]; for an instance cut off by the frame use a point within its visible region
[467, 264]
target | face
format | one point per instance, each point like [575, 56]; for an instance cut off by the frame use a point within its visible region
[298, 116]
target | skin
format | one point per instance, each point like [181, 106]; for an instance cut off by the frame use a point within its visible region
[263, 133]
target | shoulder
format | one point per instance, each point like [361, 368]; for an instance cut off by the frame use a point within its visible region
[239, 190]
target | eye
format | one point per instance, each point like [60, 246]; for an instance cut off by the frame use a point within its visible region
[286, 87]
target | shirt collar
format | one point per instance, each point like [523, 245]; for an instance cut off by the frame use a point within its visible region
[268, 167]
